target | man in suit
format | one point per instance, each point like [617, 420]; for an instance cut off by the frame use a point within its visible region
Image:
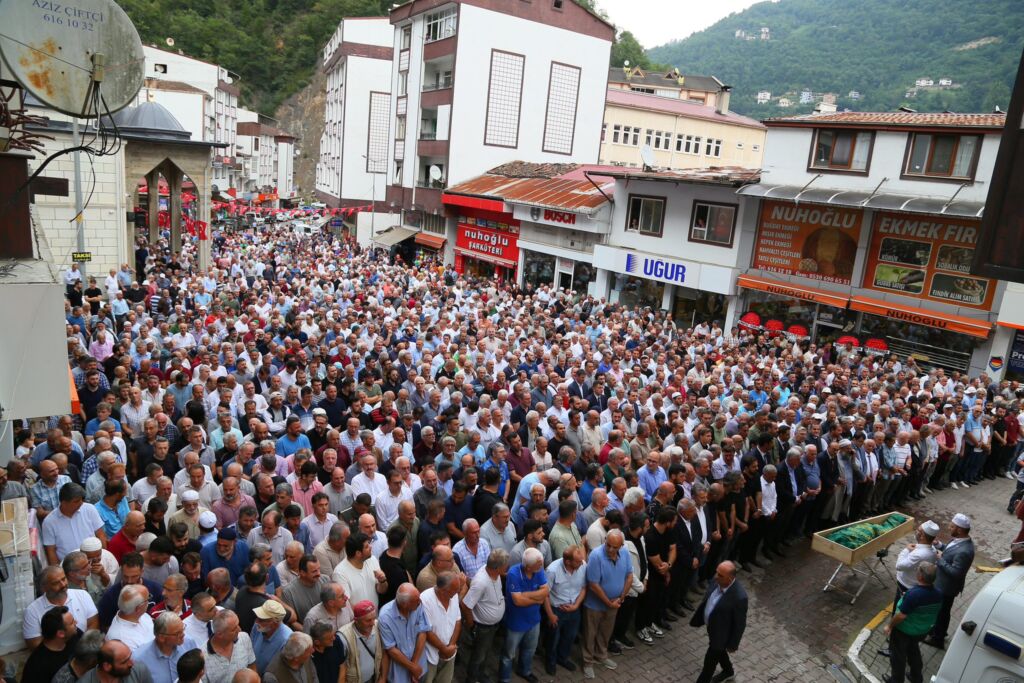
[579, 387]
[790, 486]
[689, 548]
[724, 611]
[955, 560]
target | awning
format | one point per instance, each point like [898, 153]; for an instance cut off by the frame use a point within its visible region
[430, 240]
[393, 236]
[224, 197]
[791, 290]
[920, 316]
[497, 260]
[76, 406]
[863, 200]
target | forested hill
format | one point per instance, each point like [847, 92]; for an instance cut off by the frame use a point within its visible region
[878, 48]
[272, 44]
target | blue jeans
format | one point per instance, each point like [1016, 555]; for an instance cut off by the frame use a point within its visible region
[975, 461]
[523, 643]
[562, 636]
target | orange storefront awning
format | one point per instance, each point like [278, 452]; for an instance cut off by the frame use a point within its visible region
[429, 240]
[920, 316]
[791, 290]
[76, 406]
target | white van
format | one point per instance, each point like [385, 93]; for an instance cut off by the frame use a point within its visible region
[989, 641]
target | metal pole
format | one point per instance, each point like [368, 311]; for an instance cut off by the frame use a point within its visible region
[79, 217]
[373, 206]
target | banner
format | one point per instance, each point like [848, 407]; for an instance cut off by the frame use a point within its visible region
[927, 257]
[816, 242]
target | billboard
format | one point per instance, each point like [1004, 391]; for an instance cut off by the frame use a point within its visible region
[927, 257]
[817, 242]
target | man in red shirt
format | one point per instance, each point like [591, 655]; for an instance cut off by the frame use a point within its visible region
[123, 542]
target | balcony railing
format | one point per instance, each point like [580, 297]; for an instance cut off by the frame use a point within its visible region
[428, 135]
[442, 84]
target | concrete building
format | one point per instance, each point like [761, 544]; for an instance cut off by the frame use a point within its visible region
[357, 61]
[681, 134]
[764, 96]
[672, 83]
[477, 84]
[268, 155]
[870, 234]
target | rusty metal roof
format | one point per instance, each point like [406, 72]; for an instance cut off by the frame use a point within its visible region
[733, 176]
[532, 185]
[895, 118]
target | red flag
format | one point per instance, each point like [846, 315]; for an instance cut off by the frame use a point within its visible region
[201, 226]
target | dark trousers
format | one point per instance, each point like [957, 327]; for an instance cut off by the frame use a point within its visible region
[905, 650]
[483, 643]
[712, 659]
[683, 577]
[561, 636]
[652, 603]
[751, 539]
[624, 617]
[942, 621]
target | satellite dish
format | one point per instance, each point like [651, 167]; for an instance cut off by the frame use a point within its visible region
[170, 42]
[647, 155]
[435, 172]
[625, 62]
[60, 57]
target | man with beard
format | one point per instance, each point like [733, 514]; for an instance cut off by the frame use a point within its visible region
[57, 594]
[60, 633]
[114, 665]
[227, 552]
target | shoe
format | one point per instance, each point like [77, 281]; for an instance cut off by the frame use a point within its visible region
[614, 648]
[953, 486]
[588, 672]
[928, 490]
[550, 668]
[625, 643]
[964, 484]
[645, 637]
[567, 665]
[664, 627]
[884, 652]
[530, 677]
[723, 676]
[1009, 475]
[671, 617]
[655, 631]
[610, 665]
[932, 642]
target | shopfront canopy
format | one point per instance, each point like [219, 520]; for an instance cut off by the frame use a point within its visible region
[884, 201]
[430, 240]
[793, 290]
[393, 236]
[920, 316]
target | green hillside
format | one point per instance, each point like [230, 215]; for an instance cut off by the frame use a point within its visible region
[876, 47]
[272, 44]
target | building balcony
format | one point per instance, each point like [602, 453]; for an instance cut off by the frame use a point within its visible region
[435, 97]
[430, 147]
[439, 48]
[426, 199]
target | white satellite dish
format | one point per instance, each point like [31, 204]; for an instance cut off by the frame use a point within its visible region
[647, 156]
[170, 42]
[625, 62]
[435, 172]
[63, 52]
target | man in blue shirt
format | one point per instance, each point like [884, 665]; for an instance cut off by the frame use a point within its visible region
[497, 459]
[609, 577]
[293, 439]
[527, 588]
[403, 627]
[162, 653]
[269, 634]
[227, 552]
[652, 476]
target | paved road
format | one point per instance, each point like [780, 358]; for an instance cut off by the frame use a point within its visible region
[794, 630]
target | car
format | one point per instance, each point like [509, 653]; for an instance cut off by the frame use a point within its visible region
[988, 644]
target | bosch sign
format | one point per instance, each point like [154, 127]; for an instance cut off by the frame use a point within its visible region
[560, 217]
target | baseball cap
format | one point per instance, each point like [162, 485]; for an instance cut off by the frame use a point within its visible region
[362, 608]
[271, 609]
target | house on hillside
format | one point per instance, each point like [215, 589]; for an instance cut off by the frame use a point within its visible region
[785, 102]
[853, 95]
[924, 82]
[945, 82]
[764, 96]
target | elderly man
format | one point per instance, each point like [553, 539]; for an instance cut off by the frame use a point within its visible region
[498, 530]
[331, 550]
[441, 605]
[198, 625]
[609, 578]
[724, 611]
[485, 609]
[189, 513]
[132, 625]
[228, 649]
[914, 616]
[403, 628]
[955, 560]
[528, 590]
[270, 633]
[362, 639]
[73, 520]
[913, 555]
[231, 501]
[472, 550]
[294, 662]
[169, 643]
[226, 552]
[57, 594]
[271, 533]
[333, 608]
[304, 592]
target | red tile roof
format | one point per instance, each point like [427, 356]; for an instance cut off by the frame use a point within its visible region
[895, 118]
[676, 107]
[557, 186]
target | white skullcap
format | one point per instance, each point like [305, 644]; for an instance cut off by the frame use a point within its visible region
[961, 520]
[91, 545]
[930, 528]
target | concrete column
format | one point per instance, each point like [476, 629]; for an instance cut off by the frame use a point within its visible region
[153, 204]
[732, 311]
[667, 295]
[203, 201]
[174, 183]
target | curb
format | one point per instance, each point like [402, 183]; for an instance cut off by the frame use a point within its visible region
[853, 662]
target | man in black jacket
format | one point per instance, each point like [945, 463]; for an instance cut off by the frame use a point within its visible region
[724, 611]
[789, 485]
[689, 549]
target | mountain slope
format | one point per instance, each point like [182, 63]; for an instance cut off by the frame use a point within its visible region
[876, 47]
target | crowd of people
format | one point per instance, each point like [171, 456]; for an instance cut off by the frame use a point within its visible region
[312, 463]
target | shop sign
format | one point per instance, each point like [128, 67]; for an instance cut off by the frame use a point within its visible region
[816, 242]
[927, 257]
[1015, 364]
[656, 268]
[552, 216]
[488, 242]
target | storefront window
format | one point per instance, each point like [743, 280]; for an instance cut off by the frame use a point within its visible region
[691, 307]
[538, 269]
[582, 276]
[637, 293]
[784, 309]
[930, 346]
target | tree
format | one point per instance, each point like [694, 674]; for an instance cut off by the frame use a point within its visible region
[627, 48]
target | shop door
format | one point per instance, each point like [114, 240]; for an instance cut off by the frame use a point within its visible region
[826, 332]
[565, 281]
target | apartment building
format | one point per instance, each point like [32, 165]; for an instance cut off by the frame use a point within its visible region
[671, 83]
[357, 62]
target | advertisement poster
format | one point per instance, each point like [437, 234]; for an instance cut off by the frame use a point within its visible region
[928, 257]
[818, 242]
[1015, 364]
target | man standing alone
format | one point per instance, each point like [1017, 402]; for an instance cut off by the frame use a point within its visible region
[724, 612]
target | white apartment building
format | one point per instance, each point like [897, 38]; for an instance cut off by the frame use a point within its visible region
[217, 111]
[476, 84]
[268, 156]
[357, 61]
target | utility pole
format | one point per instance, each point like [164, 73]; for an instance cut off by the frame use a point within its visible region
[76, 142]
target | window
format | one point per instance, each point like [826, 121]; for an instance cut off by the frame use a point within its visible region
[398, 172]
[713, 147]
[842, 150]
[739, 145]
[560, 117]
[756, 148]
[942, 156]
[657, 139]
[616, 132]
[646, 215]
[679, 142]
[504, 98]
[713, 223]
[377, 139]
[558, 4]
[691, 144]
[403, 83]
[440, 25]
[160, 68]
[625, 135]
[604, 133]
[406, 37]
[400, 128]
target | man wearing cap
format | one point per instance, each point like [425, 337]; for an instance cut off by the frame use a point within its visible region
[228, 552]
[913, 555]
[207, 528]
[955, 560]
[189, 513]
[363, 644]
[269, 634]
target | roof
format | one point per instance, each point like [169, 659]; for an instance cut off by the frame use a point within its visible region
[617, 74]
[675, 107]
[151, 119]
[897, 119]
[555, 186]
[732, 176]
[176, 86]
[254, 129]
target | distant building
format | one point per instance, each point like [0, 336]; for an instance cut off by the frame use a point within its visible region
[271, 175]
[806, 97]
[764, 96]
[853, 95]
[829, 98]
[766, 33]
[924, 82]
[824, 107]
[785, 102]
[672, 83]
[740, 33]
[945, 81]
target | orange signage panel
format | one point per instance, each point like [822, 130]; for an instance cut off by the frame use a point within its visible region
[793, 291]
[817, 242]
[920, 316]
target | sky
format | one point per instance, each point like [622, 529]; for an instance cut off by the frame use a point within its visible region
[655, 22]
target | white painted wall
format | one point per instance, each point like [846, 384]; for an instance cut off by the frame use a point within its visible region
[187, 107]
[196, 73]
[364, 76]
[787, 151]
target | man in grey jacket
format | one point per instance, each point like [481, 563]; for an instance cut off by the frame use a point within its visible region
[955, 560]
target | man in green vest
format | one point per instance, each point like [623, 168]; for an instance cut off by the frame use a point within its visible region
[913, 617]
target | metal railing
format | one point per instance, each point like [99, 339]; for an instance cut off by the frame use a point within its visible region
[438, 85]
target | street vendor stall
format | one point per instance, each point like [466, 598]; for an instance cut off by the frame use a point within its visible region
[860, 548]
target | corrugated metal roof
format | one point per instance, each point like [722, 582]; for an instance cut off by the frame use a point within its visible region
[669, 105]
[733, 176]
[896, 118]
[574, 193]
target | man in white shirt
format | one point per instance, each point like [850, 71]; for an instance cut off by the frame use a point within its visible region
[913, 555]
[387, 503]
[369, 481]
[131, 625]
[57, 594]
[197, 624]
[359, 573]
[769, 503]
[486, 608]
[441, 605]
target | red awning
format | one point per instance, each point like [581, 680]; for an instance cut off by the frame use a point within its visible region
[796, 291]
[430, 240]
[920, 316]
